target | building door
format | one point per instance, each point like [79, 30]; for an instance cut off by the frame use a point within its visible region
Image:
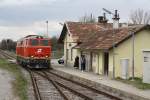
[146, 67]
[106, 61]
[94, 63]
[86, 61]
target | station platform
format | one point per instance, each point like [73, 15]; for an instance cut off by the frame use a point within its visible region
[105, 84]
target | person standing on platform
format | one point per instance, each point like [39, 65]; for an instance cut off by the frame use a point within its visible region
[83, 61]
[76, 63]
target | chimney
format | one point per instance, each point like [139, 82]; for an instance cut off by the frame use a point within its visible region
[116, 20]
[102, 19]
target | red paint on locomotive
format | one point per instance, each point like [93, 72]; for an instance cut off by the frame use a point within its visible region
[34, 50]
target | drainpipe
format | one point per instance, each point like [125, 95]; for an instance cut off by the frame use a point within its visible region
[113, 54]
[66, 54]
[133, 43]
[98, 63]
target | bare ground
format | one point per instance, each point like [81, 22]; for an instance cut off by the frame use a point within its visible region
[6, 90]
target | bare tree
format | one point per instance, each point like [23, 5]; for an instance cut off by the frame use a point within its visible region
[87, 19]
[140, 16]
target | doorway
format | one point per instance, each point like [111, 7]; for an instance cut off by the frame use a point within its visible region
[106, 61]
[95, 63]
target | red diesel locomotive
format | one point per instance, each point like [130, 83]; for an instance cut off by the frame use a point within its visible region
[34, 51]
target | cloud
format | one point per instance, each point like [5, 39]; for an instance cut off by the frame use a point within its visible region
[24, 2]
[21, 17]
[16, 32]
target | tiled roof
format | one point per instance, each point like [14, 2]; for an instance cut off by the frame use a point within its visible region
[97, 35]
[79, 29]
[104, 38]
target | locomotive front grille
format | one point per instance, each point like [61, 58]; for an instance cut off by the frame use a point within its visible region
[39, 61]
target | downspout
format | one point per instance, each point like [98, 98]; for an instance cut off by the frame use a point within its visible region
[98, 63]
[133, 47]
[66, 53]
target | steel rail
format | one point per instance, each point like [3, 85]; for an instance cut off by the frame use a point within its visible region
[86, 97]
[7, 55]
[54, 84]
[35, 86]
[85, 86]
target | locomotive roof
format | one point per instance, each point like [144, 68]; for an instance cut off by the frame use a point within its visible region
[32, 36]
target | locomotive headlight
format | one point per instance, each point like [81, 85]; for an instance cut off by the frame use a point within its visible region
[32, 56]
[46, 56]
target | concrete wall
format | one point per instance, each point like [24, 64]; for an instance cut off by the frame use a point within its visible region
[101, 63]
[124, 50]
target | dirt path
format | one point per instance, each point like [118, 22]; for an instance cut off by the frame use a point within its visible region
[6, 92]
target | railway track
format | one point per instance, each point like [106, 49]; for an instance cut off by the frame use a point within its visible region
[45, 89]
[70, 90]
[64, 92]
[6, 55]
[50, 86]
[79, 89]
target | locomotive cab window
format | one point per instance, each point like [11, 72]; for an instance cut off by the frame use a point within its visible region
[34, 42]
[44, 42]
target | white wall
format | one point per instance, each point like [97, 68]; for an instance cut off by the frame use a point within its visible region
[69, 43]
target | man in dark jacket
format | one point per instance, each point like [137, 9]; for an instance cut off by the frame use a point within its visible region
[83, 62]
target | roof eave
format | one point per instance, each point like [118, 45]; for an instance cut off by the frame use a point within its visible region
[63, 34]
[145, 26]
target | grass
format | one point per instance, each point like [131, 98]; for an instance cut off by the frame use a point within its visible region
[137, 82]
[19, 83]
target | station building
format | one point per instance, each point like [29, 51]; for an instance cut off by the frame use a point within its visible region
[108, 47]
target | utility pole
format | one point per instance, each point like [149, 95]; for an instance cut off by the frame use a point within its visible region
[109, 12]
[47, 28]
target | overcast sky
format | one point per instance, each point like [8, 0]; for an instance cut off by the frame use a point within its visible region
[22, 17]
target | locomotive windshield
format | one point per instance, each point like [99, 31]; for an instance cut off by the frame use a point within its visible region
[34, 42]
[44, 42]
